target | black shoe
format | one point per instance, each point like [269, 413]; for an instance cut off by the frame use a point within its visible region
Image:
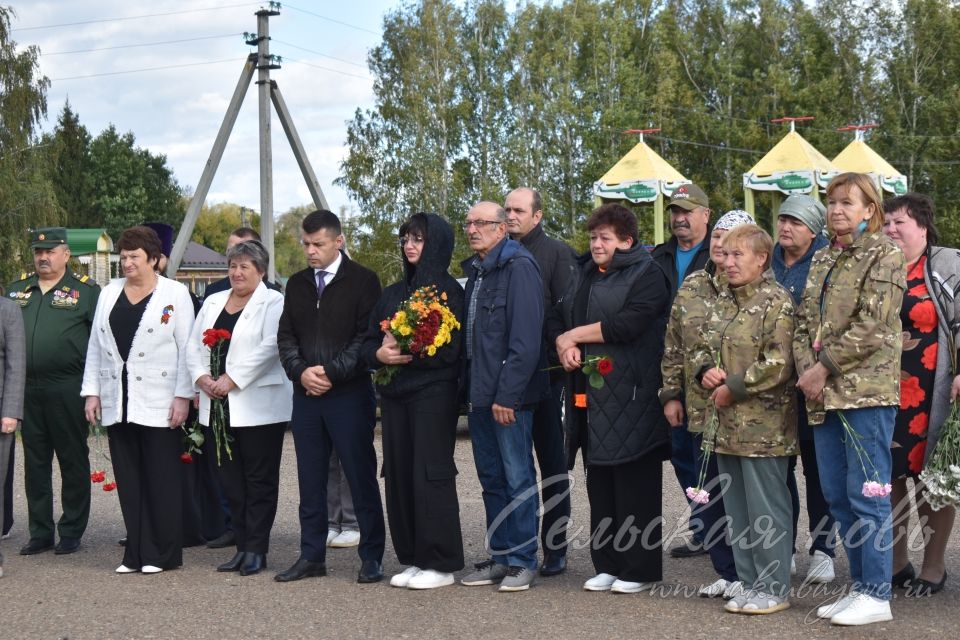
[688, 550]
[36, 545]
[902, 579]
[66, 545]
[370, 571]
[923, 588]
[122, 541]
[228, 539]
[233, 564]
[302, 569]
[253, 563]
[553, 565]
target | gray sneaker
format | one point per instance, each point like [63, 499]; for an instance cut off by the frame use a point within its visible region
[517, 579]
[486, 572]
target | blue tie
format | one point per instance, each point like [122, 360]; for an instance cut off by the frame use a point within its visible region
[321, 283]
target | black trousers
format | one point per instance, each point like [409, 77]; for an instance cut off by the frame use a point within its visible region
[8, 495]
[625, 518]
[147, 468]
[251, 481]
[419, 437]
[343, 423]
[203, 516]
[554, 479]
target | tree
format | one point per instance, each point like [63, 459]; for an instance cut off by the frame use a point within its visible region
[131, 185]
[26, 195]
[69, 148]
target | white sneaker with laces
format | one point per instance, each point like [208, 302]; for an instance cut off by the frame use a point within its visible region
[600, 582]
[331, 534]
[346, 538]
[402, 579]
[827, 611]
[623, 586]
[821, 568]
[863, 609]
[430, 579]
[715, 589]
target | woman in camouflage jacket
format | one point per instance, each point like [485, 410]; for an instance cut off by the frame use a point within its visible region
[847, 348]
[749, 370]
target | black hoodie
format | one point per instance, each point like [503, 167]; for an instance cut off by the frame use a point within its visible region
[419, 377]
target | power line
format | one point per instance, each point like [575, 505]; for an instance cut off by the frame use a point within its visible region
[356, 64]
[317, 15]
[169, 66]
[142, 44]
[317, 66]
[709, 146]
[148, 15]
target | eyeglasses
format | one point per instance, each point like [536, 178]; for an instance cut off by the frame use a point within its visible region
[405, 240]
[479, 224]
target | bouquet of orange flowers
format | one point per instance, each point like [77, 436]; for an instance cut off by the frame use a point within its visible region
[422, 324]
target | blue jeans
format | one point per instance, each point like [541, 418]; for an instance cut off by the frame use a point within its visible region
[504, 459]
[865, 523]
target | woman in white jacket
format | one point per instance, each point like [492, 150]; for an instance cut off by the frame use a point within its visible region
[258, 399]
[135, 382]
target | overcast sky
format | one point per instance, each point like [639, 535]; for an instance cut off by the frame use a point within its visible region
[178, 111]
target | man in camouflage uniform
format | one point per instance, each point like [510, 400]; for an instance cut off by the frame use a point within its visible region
[58, 311]
[748, 367]
[683, 397]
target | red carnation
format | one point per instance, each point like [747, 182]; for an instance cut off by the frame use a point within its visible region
[604, 366]
[186, 458]
[98, 476]
[110, 486]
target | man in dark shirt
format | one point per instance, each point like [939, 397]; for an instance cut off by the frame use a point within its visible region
[686, 251]
[555, 259]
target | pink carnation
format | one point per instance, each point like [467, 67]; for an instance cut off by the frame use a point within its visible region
[698, 495]
[873, 489]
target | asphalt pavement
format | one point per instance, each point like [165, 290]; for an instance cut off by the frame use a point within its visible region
[79, 596]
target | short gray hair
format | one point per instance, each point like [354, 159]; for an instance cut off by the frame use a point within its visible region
[252, 250]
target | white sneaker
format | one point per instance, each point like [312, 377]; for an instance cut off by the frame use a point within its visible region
[821, 568]
[793, 565]
[622, 586]
[827, 611]
[430, 579]
[125, 569]
[149, 568]
[863, 609]
[735, 589]
[714, 590]
[331, 534]
[600, 582]
[346, 538]
[403, 579]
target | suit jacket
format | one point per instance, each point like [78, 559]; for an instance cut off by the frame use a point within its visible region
[263, 394]
[156, 367]
[13, 360]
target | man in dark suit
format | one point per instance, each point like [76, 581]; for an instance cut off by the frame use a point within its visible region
[326, 312]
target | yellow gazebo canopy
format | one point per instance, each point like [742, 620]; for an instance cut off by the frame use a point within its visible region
[641, 176]
[792, 166]
[859, 157]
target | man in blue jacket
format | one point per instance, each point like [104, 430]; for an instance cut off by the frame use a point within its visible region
[504, 381]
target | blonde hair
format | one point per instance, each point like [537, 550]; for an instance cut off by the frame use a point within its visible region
[752, 237]
[870, 196]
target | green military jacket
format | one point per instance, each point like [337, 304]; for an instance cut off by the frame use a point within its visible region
[852, 306]
[751, 329]
[690, 311]
[57, 325]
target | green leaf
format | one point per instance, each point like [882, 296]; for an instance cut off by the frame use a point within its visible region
[596, 380]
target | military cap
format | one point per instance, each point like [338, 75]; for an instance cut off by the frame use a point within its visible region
[48, 237]
[689, 197]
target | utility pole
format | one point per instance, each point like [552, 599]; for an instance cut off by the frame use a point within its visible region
[262, 62]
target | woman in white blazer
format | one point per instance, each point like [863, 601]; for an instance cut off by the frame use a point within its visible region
[258, 399]
[135, 382]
